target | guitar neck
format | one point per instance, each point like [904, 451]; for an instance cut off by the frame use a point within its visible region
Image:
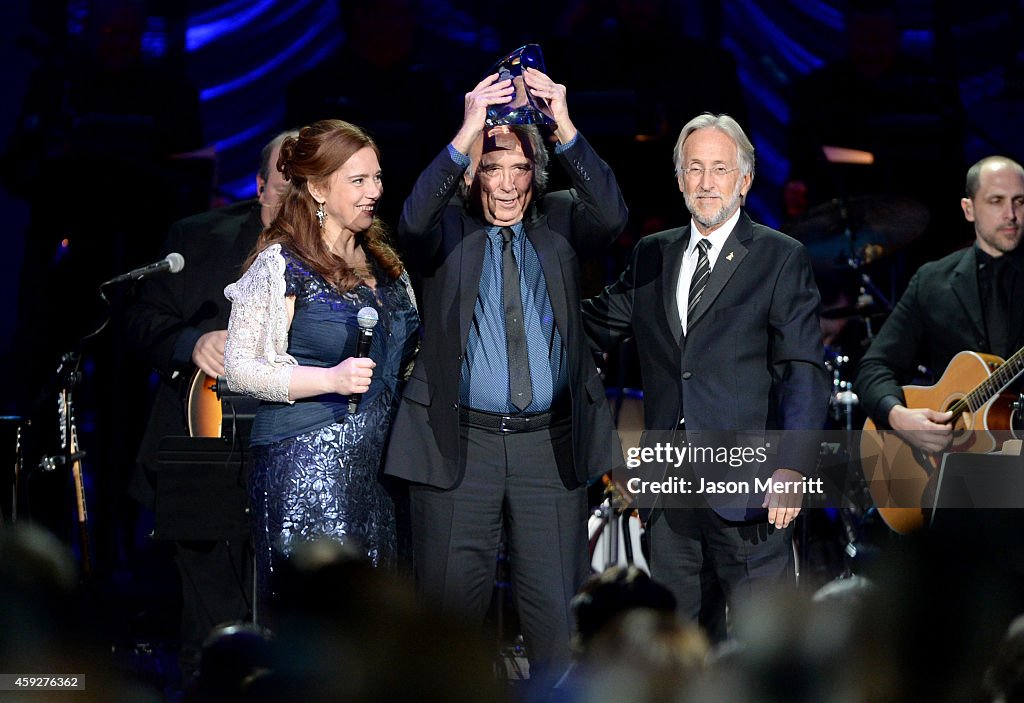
[1003, 376]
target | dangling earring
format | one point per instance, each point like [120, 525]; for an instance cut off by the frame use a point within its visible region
[320, 214]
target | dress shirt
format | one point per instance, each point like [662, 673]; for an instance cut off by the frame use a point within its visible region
[689, 262]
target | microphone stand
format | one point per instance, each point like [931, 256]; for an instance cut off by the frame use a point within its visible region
[68, 377]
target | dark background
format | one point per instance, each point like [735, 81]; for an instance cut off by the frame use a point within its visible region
[120, 117]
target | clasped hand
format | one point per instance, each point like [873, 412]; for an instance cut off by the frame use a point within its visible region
[353, 375]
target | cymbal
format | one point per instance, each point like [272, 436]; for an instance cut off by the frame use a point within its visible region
[865, 227]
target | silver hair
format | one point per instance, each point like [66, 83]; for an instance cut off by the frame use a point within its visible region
[723, 123]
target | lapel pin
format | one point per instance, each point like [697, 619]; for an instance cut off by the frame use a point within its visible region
[729, 257]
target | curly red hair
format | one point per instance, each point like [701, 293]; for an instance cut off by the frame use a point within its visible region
[319, 150]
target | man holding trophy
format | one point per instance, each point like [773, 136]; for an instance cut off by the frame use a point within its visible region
[504, 419]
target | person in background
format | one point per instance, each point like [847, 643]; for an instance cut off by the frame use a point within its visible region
[178, 324]
[963, 301]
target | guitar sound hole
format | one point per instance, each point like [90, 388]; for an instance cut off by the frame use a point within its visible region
[962, 423]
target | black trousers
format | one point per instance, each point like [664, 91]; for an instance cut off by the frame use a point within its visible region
[693, 547]
[512, 478]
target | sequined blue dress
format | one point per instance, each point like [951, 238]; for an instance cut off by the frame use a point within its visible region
[315, 469]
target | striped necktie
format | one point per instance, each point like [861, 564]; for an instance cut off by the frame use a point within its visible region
[700, 278]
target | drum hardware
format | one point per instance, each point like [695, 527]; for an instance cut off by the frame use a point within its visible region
[848, 234]
[843, 398]
[851, 232]
[616, 531]
[870, 292]
[853, 507]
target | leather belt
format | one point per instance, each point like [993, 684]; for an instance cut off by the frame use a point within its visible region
[505, 423]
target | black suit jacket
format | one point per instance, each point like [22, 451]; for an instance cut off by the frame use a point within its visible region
[444, 247]
[938, 316]
[171, 312]
[752, 359]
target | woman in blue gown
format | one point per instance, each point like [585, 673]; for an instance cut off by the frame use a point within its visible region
[315, 467]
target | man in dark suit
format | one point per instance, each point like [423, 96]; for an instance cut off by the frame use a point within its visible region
[968, 300]
[965, 301]
[724, 317]
[179, 324]
[504, 418]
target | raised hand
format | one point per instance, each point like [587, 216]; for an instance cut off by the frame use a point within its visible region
[541, 86]
[487, 92]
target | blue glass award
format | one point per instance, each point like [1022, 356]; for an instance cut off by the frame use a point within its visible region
[524, 108]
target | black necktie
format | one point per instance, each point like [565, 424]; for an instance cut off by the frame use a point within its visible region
[700, 278]
[520, 388]
[997, 316]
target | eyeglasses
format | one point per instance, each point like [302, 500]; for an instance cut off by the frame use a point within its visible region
[717, 172]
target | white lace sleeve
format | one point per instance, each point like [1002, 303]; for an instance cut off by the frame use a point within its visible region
[404, 278]
[255, 356]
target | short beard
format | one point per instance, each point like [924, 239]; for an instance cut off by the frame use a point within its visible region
[723, 213]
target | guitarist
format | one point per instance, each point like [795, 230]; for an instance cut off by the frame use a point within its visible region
[965, 301]
[179, 323]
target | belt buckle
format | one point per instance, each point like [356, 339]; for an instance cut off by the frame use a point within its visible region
[503, 425]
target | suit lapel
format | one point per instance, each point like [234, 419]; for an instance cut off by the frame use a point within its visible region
[965, 287]
[542, 240]
[672, 264]
[732, 254]
[470, 270]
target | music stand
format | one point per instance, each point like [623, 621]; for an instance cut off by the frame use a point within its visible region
[979, 481]
[201, 490]
[978, 501]
[977, 514]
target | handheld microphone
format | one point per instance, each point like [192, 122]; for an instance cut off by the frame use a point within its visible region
[172, 263]
[367, 319]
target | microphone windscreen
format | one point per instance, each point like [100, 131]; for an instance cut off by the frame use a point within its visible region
[176, 261]
[367, 317]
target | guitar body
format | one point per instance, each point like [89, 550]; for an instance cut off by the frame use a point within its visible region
[897, 472]
[202, 407]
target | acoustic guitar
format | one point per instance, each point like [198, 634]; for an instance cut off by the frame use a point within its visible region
[202, 406]
[972, 388]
